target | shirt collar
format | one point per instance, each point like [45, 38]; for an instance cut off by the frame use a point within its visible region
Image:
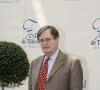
[53, 57]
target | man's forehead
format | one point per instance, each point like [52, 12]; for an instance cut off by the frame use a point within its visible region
[45, 37]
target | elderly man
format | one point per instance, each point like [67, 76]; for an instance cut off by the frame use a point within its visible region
[54, 70]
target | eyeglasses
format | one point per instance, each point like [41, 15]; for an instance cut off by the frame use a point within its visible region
[47, 40]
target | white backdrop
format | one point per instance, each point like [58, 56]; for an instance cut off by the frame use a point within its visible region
[78, 22]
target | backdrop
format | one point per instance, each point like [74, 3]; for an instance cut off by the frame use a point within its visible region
[78, 22]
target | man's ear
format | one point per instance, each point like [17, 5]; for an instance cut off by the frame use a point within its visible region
[57, 39]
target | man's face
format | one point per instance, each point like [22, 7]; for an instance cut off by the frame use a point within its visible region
[48, 44]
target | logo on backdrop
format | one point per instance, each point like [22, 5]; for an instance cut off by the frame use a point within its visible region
[8, 88]
[96, 41]
[10, 1]
[30, 36]
[84, 83]
[75, 0]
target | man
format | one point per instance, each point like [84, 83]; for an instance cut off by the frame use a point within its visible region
[60, 71]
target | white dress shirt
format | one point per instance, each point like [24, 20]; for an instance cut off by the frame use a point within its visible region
[51, 61]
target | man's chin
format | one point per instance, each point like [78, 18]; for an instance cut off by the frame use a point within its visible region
[46, 52]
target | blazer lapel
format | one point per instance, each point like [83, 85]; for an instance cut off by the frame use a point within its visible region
[37, 70]
[58, 63]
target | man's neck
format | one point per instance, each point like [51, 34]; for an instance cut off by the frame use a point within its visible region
[50, 54]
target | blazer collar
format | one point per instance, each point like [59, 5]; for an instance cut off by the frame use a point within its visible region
[58, 63]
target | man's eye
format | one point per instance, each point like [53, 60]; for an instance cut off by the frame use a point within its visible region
[41, 40]
[49, 39]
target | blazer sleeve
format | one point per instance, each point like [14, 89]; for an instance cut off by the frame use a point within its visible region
[76, 76]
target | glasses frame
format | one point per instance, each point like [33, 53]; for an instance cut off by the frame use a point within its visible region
[46, 40]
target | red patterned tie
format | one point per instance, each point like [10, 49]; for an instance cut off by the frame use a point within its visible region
[43, 75]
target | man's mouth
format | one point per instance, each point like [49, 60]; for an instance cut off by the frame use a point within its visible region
[46, 47]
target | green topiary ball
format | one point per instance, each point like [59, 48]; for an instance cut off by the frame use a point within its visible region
[14, 65]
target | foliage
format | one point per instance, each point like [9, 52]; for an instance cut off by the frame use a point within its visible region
[14, 65]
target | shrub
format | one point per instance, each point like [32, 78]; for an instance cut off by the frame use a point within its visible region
[14, 65]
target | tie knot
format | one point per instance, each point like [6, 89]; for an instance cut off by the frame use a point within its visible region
[47, 58]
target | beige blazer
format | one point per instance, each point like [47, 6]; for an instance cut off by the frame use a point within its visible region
[66, 73]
